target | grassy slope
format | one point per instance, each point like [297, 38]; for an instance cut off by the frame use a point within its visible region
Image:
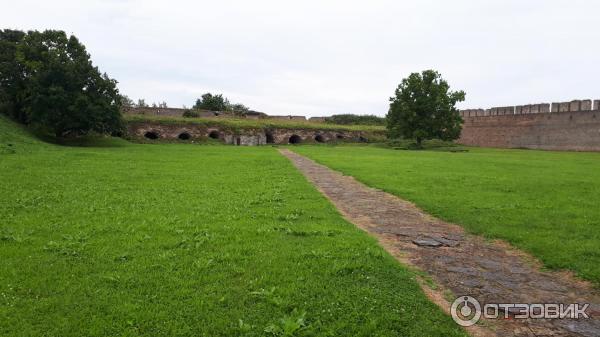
[543, 202]
[184, 240]
[255, 123]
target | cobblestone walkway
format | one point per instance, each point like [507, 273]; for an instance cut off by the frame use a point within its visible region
[491, 272]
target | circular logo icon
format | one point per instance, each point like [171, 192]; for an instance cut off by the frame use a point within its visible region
[466, 311]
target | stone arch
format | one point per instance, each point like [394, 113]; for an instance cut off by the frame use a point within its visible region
[319, 138]
[151, 135]
[214, 134]
[184, 136]
[362, 139]
[269, 137]
[339, 136]
[295, 139]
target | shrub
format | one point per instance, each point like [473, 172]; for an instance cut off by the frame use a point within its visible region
[188, 113]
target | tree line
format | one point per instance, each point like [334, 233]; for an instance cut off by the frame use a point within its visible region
[208, 101]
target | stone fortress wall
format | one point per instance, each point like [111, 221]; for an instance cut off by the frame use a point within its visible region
[243, 137]
[573, 125]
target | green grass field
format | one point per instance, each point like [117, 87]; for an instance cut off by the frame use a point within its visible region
[183, 240]
[547, 203]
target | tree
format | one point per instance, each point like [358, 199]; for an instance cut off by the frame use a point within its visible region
[127, 102]
[12, 81]
[238, 109]
[163, 105]
[424, 108]
[57, 87]
[141, 103]
[211, 102]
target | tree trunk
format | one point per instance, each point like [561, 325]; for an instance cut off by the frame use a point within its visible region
[419, 141]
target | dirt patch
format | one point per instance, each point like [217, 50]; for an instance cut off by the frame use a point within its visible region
[463, 264]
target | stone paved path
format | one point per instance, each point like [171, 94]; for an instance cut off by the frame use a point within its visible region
[491, 272]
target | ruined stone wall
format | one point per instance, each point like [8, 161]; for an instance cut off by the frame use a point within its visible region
[196, 132]
[577, 130]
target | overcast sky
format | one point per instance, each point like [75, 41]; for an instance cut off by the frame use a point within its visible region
[328, 57]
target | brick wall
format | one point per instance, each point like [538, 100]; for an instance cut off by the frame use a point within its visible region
[569, 130]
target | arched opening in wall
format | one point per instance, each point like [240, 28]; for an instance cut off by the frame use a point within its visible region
[151, 135]
[362, 139]
[319, 139]
[214, 134]
[184, 136]
[270, 139]
[339, 136]
[238, 141]
[295, 139]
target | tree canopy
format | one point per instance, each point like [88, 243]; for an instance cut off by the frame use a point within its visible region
[211, 102]
[424, 108]
[48, 80]
[219, 103]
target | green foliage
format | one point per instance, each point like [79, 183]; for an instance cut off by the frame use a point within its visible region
[189, 113]
[543, 202]
[219, 103]
[57, 87]
[127, 102]
[425, 108]
[141, 103]
[211, 102]
[350, 119]
[238, 109]
[12, 81]
[182, 240]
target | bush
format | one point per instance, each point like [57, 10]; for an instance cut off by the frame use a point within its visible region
[188, 113]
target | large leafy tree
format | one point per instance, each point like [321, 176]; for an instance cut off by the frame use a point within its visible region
[59, 89]
[425, 108]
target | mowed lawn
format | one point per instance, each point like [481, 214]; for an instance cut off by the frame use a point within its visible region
[187, 240]
[547, 203]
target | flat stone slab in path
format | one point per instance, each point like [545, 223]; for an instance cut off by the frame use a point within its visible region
[491, 272]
